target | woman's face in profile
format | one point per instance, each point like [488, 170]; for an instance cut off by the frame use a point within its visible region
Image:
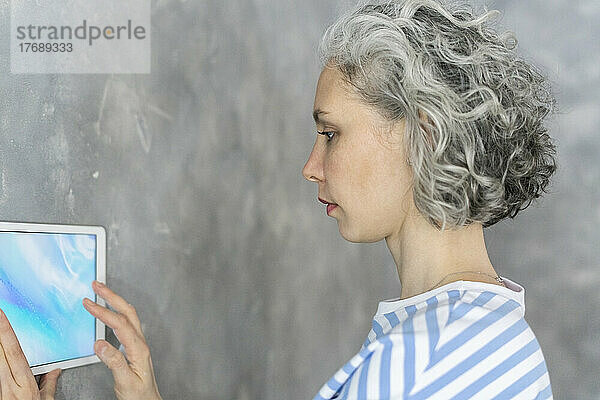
[357, 165]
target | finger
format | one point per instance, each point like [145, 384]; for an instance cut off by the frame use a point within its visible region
[118, 303]
[14, 363]
[115, 361]
[134, 343]
[6, 378]
[48, 384]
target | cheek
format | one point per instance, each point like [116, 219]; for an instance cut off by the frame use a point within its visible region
[380, 185]
[350, 173]
[355, 181]
[364, 180]
[337, 167]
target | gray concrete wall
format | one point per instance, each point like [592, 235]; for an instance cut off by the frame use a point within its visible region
[244, 286]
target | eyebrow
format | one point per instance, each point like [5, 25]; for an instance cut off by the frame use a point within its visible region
[316, 114]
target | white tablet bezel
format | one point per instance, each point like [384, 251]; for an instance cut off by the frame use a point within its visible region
[100, 232]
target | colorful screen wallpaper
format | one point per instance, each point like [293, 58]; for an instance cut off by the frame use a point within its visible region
[43, 279]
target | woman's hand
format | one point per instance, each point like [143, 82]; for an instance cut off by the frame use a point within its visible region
[16, 379]
[134, 380]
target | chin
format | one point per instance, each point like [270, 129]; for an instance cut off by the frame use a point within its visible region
[355, 236]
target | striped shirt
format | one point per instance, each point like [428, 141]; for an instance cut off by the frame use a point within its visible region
[463, 340]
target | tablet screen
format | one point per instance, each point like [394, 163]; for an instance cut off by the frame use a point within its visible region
[43, 279]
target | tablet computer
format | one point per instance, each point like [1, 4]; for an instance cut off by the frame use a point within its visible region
[45, 272]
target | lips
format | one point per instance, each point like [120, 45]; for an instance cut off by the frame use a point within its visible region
[330, 206]
[325, 201]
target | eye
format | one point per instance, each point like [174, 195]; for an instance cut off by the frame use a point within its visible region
[329, 134]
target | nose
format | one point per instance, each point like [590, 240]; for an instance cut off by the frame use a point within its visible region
[313, 169]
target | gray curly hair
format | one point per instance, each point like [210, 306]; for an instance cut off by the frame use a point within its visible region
[483, 151]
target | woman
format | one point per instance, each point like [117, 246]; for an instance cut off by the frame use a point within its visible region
[430, 129]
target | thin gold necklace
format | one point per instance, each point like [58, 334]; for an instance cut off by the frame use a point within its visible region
[497, 277]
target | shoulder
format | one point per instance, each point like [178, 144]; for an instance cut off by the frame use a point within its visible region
[461, 341]
[455, 312]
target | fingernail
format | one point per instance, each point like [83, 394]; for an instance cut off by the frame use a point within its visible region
[99, 284]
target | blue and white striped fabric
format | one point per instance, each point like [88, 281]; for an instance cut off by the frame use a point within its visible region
[463, 340]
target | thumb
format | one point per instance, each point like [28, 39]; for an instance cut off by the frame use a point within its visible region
[48, 384]
[114, 360]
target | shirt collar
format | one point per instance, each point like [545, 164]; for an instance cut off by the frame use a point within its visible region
[513, 291]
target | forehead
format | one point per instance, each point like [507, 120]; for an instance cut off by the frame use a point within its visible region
[338, 101]
[331, 90]
[329, 87]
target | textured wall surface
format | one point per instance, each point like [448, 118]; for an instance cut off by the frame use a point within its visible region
[243, 284]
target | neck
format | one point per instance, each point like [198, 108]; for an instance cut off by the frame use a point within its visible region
[426, 258]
